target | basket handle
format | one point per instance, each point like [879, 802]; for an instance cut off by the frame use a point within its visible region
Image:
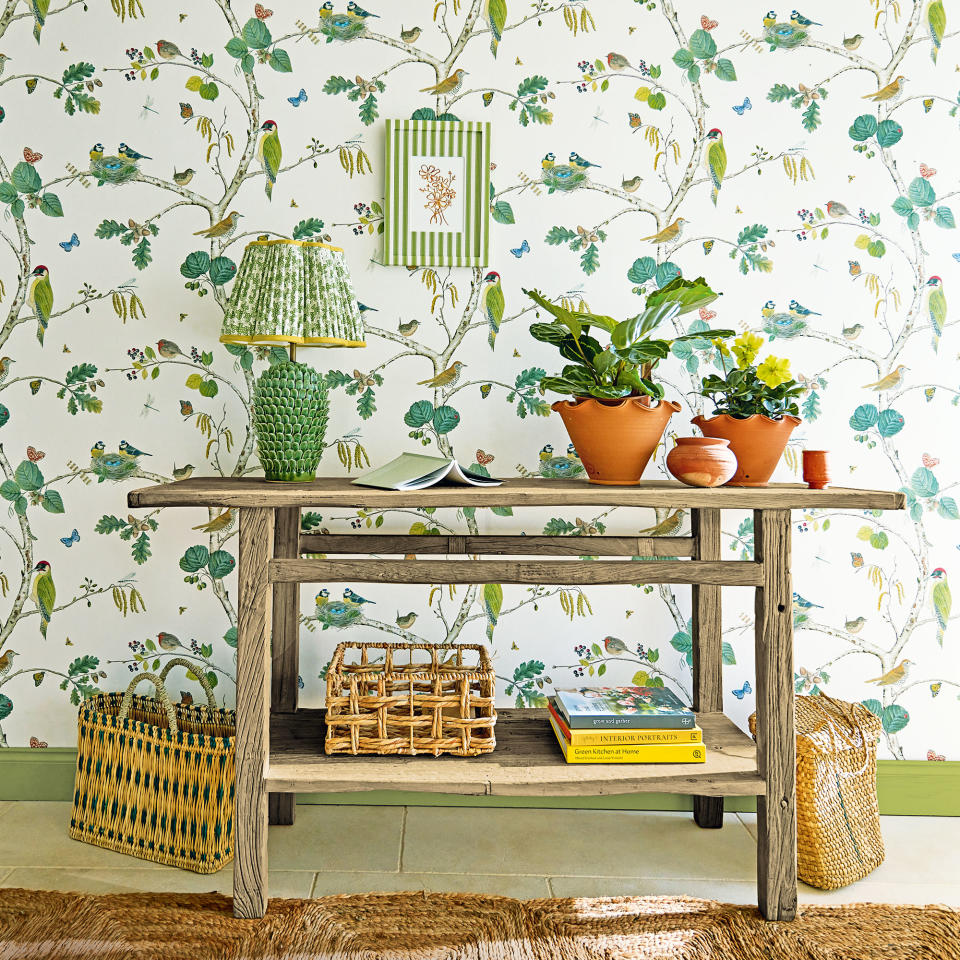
[201, 679]
[162, 696]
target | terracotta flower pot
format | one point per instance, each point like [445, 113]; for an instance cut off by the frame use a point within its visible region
[702, 461]
[757, 442]
[615, 438]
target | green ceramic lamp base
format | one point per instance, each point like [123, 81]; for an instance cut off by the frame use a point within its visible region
[290, 411]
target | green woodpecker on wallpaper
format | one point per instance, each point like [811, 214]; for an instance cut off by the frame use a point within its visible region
[802, 161]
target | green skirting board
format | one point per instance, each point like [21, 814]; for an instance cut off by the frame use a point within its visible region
[906, 787]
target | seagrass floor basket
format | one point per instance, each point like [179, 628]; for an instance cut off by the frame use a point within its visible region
[838, 820]
[410, 698]
[156, 779]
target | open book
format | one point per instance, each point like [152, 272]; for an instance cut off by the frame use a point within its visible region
[414, 471]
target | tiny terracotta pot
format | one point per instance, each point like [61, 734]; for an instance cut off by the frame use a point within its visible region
[757, 442]
[702, 461]
[816, 469]
[615, 438]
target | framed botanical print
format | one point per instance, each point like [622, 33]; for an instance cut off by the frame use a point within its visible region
[437, 194]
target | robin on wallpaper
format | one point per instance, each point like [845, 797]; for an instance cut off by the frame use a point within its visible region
[40, 299]
[446, 378]
[167, 50]
[169, 642]
[669, 233]
[614, 646]
[222, 230]
[942, 602]
[716, 161]
[895, 677]
[447, 86]
[129, 450]
[888, 93]
[6, 662]
[617, 61]
[44, 594]
[128, 153]
[890, 382]
[168, 349]
[836, 209]
[269, 153]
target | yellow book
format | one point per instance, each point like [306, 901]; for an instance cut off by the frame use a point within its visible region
[655, 753]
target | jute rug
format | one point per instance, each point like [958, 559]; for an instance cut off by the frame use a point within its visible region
[421, 926]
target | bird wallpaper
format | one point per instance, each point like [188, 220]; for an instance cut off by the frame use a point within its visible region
[799, 160]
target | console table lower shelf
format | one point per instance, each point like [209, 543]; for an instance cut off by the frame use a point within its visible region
[526, 762]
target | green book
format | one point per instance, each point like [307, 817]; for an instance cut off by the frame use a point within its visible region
[414, 471]
[625, 708]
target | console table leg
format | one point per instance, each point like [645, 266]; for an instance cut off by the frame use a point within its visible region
[707, 647]
[253, 713]
[285, 644]
[776, 743]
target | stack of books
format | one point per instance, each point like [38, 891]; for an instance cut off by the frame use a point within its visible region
[625, 725]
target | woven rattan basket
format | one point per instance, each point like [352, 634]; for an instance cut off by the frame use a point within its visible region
[156, 779]
[410, 698]
[838, 821]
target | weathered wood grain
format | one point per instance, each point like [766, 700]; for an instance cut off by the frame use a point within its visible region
[285, 642]
[730, 572]
[488, 545]
[776, 745]
[253, 712]
[526, 762]
[707, 627]
[338, 492]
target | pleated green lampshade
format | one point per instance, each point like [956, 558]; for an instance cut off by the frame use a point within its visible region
[293, 291]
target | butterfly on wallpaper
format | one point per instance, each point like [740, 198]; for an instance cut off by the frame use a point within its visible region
[186, 110]
[929, 461]
[927, 172]
[935, 688]
[635, 121]
[186, 408]
[746, 105]
[484, 458]
[31, 156]
[34, 455]
[35, 386]
[68, 245]
[487, 98]
[72, 539]
[854, 267]
[707, 23]
[518, 252]
[743, 691]
[856, 559]
[927, 104]
[929, 393]
[261, 12]
[38, 744]
[707, 315]
[931, 755]
[301, 97]
[485, 389]
[32, 84]
[708, 246]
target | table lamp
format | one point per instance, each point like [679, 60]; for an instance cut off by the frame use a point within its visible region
[296, 292]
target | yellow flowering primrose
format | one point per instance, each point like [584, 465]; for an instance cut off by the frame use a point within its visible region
[745, 349]
[722, 347]
[774, 371]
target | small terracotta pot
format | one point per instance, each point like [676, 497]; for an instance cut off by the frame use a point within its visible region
[615, 438]
[816, 469]
[757, 442]
[702, 461]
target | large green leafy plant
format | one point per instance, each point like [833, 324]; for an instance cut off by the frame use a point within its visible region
[623, 367]
[748, 387]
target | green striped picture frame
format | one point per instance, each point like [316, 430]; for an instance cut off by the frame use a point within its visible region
[437, 194]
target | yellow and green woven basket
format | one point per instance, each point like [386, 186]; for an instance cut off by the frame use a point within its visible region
[155, 779]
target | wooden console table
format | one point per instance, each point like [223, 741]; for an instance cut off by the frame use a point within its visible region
[280, 751]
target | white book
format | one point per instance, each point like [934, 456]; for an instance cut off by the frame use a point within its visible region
[415, 471]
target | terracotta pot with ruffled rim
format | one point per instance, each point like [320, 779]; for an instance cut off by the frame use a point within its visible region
[615, 439]
[757, 442]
